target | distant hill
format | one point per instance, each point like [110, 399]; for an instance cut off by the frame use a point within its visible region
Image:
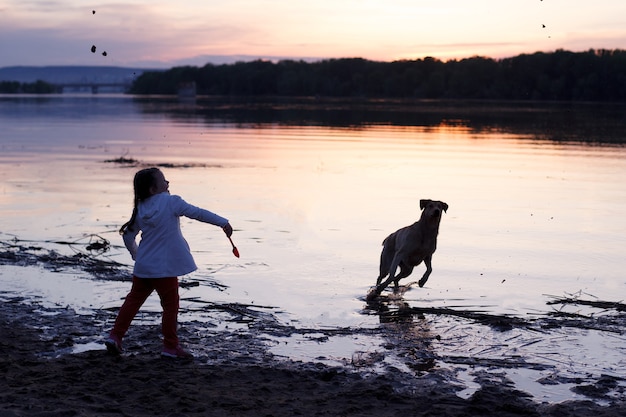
[72, 74]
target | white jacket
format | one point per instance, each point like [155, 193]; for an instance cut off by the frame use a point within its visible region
[163, 251]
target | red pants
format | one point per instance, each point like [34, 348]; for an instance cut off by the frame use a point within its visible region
[167, 288]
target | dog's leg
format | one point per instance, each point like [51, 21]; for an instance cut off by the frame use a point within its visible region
[386, 257]
[429, 269]
[405, 271]
[392, 275]
[383, 273]
[384, 268]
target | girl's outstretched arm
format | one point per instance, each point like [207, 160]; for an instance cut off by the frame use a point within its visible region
[182, 208]
[228, 229]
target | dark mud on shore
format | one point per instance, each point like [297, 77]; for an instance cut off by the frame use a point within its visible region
[54, 362]
[38, 380]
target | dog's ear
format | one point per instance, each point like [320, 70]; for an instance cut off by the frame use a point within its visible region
[445, 206]
[423, 204]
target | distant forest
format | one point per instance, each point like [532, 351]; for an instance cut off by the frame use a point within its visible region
[594, 75]
[15, 87]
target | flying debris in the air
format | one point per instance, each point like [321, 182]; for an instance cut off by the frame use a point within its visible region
[93, 47]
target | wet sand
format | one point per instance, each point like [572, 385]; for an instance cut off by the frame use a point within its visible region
[42, 378]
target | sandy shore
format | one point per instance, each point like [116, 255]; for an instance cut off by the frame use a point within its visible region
[41, 378]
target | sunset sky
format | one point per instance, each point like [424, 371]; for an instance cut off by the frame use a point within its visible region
[158, 33]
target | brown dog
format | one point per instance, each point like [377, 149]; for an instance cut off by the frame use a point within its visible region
[408, 247]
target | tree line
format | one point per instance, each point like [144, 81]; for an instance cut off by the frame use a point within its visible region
[16, 87]
[594, 75]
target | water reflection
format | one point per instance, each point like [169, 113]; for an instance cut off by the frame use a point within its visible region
[559, 122]
[590, 123]
[407, 334]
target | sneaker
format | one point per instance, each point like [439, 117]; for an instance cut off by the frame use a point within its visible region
[114, 345]
[177, 352]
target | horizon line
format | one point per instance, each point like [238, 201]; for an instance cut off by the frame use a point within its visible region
[238, 58]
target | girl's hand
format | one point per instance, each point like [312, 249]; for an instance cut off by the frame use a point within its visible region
[228, 229]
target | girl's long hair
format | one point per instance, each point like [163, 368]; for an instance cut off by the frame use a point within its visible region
[143, 181]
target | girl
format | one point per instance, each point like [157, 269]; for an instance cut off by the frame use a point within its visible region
[162, 255]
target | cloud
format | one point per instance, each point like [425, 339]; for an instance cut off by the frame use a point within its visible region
[158, 31]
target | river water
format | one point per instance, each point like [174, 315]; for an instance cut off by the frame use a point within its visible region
[536, 200]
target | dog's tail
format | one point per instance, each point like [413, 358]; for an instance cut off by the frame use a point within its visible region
[390, 242]
[386, 256]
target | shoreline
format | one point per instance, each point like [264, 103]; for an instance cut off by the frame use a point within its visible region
[43, 377]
